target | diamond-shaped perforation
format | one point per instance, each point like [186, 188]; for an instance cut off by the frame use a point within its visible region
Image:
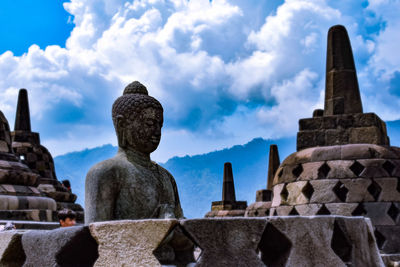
[340, 243]
[393, 212]
[274, 246]
[323, 211]
[323, 171]
[284, 193]
[341, 191]
[380, 239]
[298, 170]
[375, 190]
[357, 168]
[308, 190]
[280, 173]
[359, 210]
[398, 185]
[389, 167]
[178, 248]
[293, 211]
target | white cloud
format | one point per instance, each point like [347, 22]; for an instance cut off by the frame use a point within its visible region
[215, 66]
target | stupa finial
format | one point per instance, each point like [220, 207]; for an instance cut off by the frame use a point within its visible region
[228, 187]
[273, 164]
[22, 118]
[342, 95]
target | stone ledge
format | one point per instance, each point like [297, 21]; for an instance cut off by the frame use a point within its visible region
[282, 241]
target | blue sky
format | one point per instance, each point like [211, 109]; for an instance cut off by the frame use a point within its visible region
[26, 22]
[225, 71]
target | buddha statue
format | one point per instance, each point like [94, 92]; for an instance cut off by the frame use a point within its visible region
[130, 185]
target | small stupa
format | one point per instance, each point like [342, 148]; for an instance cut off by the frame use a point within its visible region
[228, 207]
[262, 206]
[20, 200]
[26, 145]
[344, 164]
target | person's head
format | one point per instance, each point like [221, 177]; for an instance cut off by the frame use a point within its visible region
[67, 218]
[138, 119]
[67, 184]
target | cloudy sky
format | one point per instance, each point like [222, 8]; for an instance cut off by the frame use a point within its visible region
[225, 71]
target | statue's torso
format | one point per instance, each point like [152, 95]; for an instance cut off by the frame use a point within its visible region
[119, 189]
[148, 188]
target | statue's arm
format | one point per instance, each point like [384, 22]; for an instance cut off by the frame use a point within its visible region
[101, 190]
[178, 208]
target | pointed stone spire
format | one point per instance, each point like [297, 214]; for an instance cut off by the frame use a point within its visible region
[342, 95]
[228, 187]
[22, 118]
[273, 164]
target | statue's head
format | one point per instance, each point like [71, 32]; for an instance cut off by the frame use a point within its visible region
[137, 119]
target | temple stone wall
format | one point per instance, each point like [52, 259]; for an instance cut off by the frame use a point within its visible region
[274, 241]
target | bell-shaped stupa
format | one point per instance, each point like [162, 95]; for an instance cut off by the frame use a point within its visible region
[344, 164]
[20, 201]
[26, 145]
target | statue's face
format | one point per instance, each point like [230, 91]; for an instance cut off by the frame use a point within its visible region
[143, 132]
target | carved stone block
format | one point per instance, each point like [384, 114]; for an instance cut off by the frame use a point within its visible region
[326, 153]
[358, 190]
[378, 213]
[344, 209]
[227, 242]
[296, 195]
[277, 199]
[389, 191]
[308, 209]
[388, 238]
[310, 171]
[323, 191]
[340, 169]
[11, 252]
[70, 246]
[128, 242]
[325, 241]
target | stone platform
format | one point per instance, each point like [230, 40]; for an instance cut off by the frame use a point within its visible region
[274, 241]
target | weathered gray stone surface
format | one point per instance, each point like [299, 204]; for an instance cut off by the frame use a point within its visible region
[130, 242]
[270, 241]
[11, 252]
[226, 242]
[130, 185]
[325, 241]
[70, 246]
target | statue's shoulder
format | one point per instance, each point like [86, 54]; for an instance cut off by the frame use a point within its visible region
[163, 170]
[108, 168]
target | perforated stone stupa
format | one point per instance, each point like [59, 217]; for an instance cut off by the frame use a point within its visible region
[343, 164]
[228, 206]
[26, 145]
[19, 198]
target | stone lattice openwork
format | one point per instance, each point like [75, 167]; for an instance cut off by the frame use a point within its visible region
[26, 145]
[19, 197]
[343, 164]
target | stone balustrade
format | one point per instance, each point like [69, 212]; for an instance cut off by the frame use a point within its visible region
[270, 241]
